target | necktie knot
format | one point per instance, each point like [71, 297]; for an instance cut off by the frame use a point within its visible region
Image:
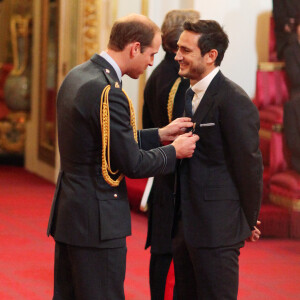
[189, 95]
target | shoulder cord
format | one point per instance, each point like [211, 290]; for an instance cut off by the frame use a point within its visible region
[105, 131]
[171, 98]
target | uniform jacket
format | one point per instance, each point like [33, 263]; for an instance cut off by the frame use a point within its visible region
[155, 114]
[87, 211]
[219, 189]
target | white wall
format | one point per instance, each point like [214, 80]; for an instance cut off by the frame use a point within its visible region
[246, 23]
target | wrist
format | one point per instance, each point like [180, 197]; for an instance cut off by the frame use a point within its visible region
[161, 135]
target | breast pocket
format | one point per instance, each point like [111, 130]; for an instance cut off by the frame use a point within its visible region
[209, 134]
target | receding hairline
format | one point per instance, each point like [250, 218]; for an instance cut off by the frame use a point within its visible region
[138, 18]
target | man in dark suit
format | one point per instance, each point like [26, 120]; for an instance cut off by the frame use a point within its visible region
[291, 119]
[98, 144]
[292, 61]
[219, 189]
[284, 13]
[164, 102]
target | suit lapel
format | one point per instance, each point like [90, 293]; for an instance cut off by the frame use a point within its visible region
[208, 99]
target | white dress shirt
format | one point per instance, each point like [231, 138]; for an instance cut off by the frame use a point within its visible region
[201, 86]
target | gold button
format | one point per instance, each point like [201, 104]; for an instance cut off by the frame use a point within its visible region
[107, 71]
[115, 195]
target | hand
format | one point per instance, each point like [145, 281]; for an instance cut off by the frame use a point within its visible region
[185, 145]
[177, 127]
[255, 235]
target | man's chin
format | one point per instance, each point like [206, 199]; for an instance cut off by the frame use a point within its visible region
[182, 73]
[134, 76]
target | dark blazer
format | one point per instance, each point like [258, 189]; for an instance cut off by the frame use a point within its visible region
[155, 114]
[291, 119]
[220, 187]
[283, 11]
[292, 67]
[86, 210]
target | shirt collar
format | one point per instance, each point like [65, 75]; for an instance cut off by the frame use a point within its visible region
[202, 85]
[107, 57]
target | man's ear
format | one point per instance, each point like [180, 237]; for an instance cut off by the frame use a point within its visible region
[211, 56]
[135, 48]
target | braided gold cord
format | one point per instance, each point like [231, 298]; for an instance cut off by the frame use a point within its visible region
[171, 98]
[105, 131]
[132, 116]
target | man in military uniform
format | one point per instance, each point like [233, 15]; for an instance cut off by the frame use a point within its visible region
[98, 144]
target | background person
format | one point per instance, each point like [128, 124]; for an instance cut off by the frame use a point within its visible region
[291, 119]
[284, 13]
[292, 61]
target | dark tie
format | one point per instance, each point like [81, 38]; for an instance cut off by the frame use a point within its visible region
[189, 95]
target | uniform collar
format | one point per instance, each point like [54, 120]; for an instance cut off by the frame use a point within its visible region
[109, 59]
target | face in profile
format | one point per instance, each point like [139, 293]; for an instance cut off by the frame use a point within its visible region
[144, 59]
[192, 64]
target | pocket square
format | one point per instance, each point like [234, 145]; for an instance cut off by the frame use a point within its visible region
[207, 124]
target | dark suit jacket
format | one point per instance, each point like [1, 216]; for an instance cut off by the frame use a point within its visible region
[292, 66]
[283, 10]
[291, 120]
[155, 114]
[220, 187]
[87, 211]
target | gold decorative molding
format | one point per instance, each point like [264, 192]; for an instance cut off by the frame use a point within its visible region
[277, 128]
[292, 204]
[12, 133]
[265, 134]
[90, 28]
[20, 28]
[271, 66]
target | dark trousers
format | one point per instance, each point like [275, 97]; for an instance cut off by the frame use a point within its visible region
[158, 272]
[82, 273]
[205, 273]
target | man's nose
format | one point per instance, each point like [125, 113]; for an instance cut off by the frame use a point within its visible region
[151, 61]
[178, 56]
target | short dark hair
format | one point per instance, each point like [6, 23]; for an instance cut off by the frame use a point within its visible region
[128, 30]
[212, 36]
[172, 27]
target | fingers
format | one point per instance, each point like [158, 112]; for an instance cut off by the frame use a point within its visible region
[185, 145]
[183, 123]
[196, 137]
[257, 230]
[255, 235]
[182, 119]
[186, 124]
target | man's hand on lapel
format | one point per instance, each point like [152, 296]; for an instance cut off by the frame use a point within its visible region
[177, 127]
[185, 145]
